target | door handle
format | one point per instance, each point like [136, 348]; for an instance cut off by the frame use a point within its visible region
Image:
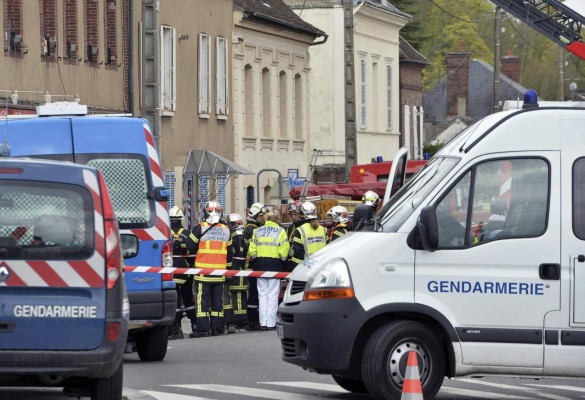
[6, 327]
[550, 272]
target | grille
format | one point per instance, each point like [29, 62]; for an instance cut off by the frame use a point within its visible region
[297, 287]
[126, 182]
[285, 317]
[288, 347]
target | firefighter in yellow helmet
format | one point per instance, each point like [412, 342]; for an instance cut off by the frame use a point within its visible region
[213, 250]
[237, 285]
[308, 238]
[183, 246]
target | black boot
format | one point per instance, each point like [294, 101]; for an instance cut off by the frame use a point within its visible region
[175, 331]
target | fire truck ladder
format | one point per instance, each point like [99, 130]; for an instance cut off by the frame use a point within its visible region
[310, 170]
[551, 18]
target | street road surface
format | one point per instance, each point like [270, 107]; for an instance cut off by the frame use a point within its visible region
[247, 366]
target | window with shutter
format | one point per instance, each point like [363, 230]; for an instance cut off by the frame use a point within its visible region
[221, 83]
[167, 71]
[389, 96]
[363, 114]
[170, 184]
[204, 74]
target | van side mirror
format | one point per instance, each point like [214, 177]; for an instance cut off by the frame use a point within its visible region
[161, 193]
[129, 245]
[425, 235]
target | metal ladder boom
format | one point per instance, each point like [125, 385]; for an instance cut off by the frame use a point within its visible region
[316, 153]
[551, 18]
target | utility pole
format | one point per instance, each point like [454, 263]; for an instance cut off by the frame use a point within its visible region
[350, 123]
[497, 57]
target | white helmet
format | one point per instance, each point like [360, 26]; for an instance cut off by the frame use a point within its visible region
[212, 211]
[338, 213]
[176, 213]
[257, 209]
[308, 211]
[237, 223]
[371, 198]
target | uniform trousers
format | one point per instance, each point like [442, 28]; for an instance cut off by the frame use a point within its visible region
[209, 306]
[268, 291]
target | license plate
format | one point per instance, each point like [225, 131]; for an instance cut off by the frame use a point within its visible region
[280, 331]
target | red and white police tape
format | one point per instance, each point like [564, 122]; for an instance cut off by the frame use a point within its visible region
[210, 272]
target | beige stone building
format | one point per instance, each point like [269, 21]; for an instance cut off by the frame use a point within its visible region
[377, 24]
[271, 97]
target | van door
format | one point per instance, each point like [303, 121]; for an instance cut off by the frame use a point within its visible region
[52, 294]
[397, 175]
[496, 274]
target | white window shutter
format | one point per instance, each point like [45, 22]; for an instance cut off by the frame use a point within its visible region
[174, 70]
[163, 67]
[201, 72]
[219, 74]
[225, 78]
[208, 94]
[363, 115]
[389, 100]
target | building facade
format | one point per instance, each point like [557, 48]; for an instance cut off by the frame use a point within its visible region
[271, 98]
[376, 78]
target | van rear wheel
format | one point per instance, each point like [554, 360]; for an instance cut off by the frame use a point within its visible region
[386, 354]
[351, 385]
[151, 345]
[108, 388]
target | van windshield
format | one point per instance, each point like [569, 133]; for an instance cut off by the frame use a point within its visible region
[409, 197]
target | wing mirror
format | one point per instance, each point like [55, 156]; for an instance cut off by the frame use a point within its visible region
[425, 235]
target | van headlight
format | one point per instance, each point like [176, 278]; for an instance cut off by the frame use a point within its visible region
[331, 280]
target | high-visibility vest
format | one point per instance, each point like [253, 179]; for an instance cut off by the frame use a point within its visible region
[212, 252]
[313, 239]
[269, 241]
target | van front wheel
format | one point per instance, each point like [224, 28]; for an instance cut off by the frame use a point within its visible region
[151, 345]
[386, 354]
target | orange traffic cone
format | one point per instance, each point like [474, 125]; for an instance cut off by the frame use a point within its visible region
[411, 388]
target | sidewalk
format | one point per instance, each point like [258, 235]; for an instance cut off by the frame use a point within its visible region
[133, 394]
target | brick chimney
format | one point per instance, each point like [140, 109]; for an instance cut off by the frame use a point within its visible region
[511, 66]
[457, 82]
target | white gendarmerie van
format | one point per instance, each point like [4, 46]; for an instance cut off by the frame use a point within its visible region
[477, 264]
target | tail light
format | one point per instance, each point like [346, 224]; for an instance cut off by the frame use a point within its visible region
[167, 277]
[167, 255]
[111, 238]
[113, 331]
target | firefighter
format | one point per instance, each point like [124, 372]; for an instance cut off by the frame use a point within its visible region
[363, 215]
[268, 251]
[213, 250]
[308, 238]
[256, 218]
[339, 219]
[238, 285]
[293, 211]
[183, 245]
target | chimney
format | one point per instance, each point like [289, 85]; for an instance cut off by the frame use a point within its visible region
[457, 82]
[511, 66]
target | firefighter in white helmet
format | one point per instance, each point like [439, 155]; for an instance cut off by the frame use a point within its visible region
[213, 251]
[339, 218]
[256, 217]
[308, 238]
[183, 246]
[363, 215]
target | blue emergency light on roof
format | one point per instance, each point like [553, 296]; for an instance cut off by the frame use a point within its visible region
[530, 99]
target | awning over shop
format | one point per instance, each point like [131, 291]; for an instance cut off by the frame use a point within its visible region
[205, 162]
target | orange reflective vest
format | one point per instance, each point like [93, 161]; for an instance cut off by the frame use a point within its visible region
[212, 249]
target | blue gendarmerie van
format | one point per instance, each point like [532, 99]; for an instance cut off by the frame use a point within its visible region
[63, 303]
[123, 150]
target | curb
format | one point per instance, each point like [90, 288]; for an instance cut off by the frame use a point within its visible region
[133, 394]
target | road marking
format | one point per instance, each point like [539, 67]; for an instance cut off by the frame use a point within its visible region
[309, 385]
[560, 387]
[532, 391]
[251, 392]
[172, 396]
[466, 393]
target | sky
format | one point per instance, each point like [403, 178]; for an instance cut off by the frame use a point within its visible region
[577, 5]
